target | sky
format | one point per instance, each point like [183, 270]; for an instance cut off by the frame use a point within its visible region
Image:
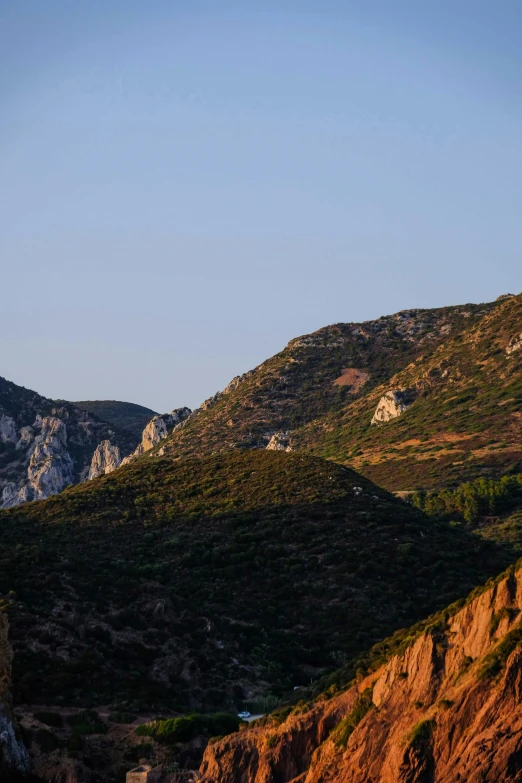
[186, 186]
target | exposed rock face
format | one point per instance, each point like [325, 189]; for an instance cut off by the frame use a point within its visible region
[7, 429]
[105, 459]
[280, 441]
[13, 755]
[447, 710]
[50, 467]
[45, 446]
[156, 430]
[515, 344]
[392, 404]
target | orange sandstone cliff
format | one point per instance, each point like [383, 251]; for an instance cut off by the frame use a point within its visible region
[448, 709]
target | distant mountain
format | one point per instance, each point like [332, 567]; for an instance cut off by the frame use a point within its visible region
[124, 415]
[417, 400]
[440, 702]
[200, 583]
[46, 445]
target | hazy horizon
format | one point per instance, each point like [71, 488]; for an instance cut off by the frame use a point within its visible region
[186, 190]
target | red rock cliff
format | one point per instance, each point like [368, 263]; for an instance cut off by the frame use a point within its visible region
[447, 710]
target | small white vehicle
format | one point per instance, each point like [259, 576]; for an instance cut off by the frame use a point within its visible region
[243, 715]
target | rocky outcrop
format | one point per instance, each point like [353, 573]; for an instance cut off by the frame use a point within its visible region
[157, 430]
[445, 710]
[515, 344]
[45, 446]
[105, 459]
[280, 441]
[393, 404]
[50, 466]
[13, 755]
[7, 429]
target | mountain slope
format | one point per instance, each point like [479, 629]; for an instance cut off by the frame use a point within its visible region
[204, 582]
[47, 445]
[445, 708]
[124, 415]
[315, 375]
[465, 421]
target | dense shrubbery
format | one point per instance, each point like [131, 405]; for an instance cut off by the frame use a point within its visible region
[187, 727]
[472, 500]
[259, 562]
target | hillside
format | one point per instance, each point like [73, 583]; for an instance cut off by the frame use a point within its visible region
[46, 445]
[124, 415]
[315, 375]
[418, 400]
[465, 421]
[444, 706]
[208, 582]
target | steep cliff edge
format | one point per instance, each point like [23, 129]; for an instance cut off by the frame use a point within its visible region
[14, 759]
[445, 709]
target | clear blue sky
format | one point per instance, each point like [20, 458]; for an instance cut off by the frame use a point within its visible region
[188, 185]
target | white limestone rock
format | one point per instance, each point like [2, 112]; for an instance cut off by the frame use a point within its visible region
[280, 441]
[157, 430]
[105, 459]
[50, 467]
[515, 344]
[26, 438]
[7, 429]
[393, 404]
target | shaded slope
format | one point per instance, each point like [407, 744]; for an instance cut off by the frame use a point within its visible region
[314, 375]
[126, 415]
[466, 420]
[208, 581]
[445, 708]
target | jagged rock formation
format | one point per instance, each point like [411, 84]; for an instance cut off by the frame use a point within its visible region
[157, 430]
[280, 441]
[13, 755]
[45, 446]
[105, 459]
[515, 344]
[444, 710]
[392, 404]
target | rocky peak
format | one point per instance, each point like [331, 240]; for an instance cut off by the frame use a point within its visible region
[157, 430]
[105, 459]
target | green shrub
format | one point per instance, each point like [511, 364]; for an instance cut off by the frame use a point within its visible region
[421, 733]
[187, 727]
[343, 731]
[494, 661]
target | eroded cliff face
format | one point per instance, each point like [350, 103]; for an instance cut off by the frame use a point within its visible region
[446, 710]
[14, 758]
[157, 430]
[45, 446]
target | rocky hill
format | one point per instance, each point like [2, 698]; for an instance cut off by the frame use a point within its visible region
[123, 415]
[419, 399]
[450, 416]
[47, 445]
[444, 707]
[205, 582]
